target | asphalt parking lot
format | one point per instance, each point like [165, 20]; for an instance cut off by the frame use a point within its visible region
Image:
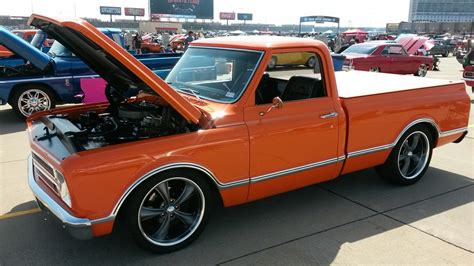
[355, 219]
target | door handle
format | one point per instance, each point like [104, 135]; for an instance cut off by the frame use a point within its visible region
[328, 115]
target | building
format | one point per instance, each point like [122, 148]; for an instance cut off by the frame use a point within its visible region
[441, 11]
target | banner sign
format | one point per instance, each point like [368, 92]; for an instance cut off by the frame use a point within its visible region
[110, 10]
[136, 12]
[244, 16]
[227, 15]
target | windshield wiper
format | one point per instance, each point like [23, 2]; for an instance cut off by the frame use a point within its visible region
[193, 92]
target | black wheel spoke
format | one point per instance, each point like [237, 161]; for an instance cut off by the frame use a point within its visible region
[186, 218]
[164, 191]
[402, 157]
[188, 191]
[148, 213]
[162, 232]
[406, 146]
[416, 158]
[414, 143]
[405, 166]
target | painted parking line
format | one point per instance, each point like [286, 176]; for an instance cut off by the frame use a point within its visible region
[19, 213]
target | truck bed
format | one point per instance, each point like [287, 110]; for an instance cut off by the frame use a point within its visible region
[379, 107]
[352, 84]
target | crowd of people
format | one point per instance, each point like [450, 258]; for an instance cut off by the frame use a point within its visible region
[167, 41]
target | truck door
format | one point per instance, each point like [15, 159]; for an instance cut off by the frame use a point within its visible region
[293, 145]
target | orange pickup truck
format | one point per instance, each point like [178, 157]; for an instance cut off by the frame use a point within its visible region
[223, 129]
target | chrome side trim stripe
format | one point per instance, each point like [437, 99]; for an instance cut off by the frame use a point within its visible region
[453, 132]
[370, 150]
[391, 145]
[295, 169]
[34, 79]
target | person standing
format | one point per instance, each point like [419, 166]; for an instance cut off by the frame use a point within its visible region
[165, 39]
[189, 39]
[137, 40]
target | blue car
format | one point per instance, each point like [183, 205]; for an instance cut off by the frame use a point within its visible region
[38, 81]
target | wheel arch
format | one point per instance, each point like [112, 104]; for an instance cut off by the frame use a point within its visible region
[209, 177]
[428, 123]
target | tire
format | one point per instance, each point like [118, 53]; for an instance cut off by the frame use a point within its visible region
[406, 164]
[422, 71]
[311, 62]
[273, 63]
[162, 225]
[445, 54]
[29, 99]
[374, 69]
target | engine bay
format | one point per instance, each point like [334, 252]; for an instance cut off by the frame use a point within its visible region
[19, 71]
[119, 123]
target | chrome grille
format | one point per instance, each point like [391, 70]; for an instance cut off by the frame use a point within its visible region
[45, 172]
[46, 166]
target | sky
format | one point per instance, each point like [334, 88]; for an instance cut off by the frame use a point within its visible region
[352, 13]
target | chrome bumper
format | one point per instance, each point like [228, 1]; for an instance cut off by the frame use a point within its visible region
[79, 228]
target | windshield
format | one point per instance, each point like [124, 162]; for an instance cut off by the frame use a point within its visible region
[58, 50]
[360, 49]
[216, 74]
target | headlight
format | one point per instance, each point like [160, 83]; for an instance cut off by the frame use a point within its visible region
[62, 187]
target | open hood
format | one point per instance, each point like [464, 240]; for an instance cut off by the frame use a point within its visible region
[113, 63]
[412, 43]
[22, 48]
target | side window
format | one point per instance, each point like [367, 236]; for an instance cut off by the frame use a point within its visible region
[291, 76]
[396, 50]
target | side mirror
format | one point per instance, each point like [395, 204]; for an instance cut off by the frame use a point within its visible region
[276, 103]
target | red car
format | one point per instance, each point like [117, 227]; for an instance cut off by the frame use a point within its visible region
[387, 58]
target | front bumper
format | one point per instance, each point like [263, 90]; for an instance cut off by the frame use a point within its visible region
[79, 228]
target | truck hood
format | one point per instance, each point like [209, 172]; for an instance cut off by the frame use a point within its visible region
[114, 64]
[22, 48]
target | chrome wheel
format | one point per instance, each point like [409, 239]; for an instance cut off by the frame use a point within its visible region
[422, 70]
[374, 69]
[413, 155]
[171, 211]
[33, 100]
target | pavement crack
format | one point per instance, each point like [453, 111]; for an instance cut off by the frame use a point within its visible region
[385, 212]
[13, 161]
[296, 239]
[427, 233]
